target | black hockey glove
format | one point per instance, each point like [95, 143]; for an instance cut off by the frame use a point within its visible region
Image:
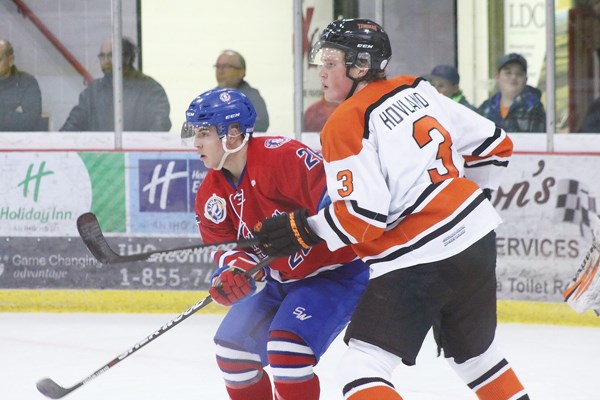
[285, 234]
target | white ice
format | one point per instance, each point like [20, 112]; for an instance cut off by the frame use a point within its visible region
[553, 362]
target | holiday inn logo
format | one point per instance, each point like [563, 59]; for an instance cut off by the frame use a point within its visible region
[35, 180]
[41, 194]
[31, 186]
[31, 214]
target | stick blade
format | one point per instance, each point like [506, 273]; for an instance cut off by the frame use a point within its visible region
[89, 230]
[51, 389]
[583, 293]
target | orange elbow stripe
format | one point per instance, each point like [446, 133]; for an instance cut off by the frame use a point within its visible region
[504, 149]
[356, 227]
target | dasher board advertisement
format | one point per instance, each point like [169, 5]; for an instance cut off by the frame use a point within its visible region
[144, 202]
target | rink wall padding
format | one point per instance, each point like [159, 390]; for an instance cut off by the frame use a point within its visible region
[144, 201]
[104, 301]
[176, 302]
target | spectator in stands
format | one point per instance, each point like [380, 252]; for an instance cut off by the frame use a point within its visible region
[591, 121]
[20, 96]
[145, 103]
[230, 72]
[446, 80]
[516, 107]
[317, 113]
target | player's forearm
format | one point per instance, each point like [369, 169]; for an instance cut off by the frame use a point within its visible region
[340, 228]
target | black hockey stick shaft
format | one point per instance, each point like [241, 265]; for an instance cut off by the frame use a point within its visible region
[52, 390]
[92, 236]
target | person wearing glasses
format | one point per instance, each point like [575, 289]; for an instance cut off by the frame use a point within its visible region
[230, 70]
[145, 103]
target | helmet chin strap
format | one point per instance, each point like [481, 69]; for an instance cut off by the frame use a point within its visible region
[355, 82]
[230, 151]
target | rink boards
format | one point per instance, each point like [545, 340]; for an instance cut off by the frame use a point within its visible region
[126, 301]
[145, 201]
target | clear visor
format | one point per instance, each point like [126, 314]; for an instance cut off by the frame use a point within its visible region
[190, 130]
[323, 54]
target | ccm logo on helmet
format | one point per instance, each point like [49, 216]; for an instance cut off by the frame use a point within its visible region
[232, 115]
[364, 46]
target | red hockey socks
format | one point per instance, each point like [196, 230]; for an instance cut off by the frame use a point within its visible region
[245, 379]
[292, 361]
[306, 390]
[259, 390]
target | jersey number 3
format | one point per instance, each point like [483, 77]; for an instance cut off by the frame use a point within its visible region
[422, 130]
[422, 133]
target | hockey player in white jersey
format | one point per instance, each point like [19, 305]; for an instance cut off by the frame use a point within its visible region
[409, 173]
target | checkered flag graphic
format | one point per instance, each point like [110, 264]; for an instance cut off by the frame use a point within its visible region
[574, 203]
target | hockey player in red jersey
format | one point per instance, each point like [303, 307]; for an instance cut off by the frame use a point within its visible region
[410, 173]
[288, 314]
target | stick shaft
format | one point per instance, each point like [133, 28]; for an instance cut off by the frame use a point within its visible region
[52, 390]
[92, 236]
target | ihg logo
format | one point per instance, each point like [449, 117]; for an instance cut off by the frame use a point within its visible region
[163, 185]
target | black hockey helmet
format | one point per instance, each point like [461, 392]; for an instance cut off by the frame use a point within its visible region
[364, 42]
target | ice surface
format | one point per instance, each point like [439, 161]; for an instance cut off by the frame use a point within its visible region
[554, 362]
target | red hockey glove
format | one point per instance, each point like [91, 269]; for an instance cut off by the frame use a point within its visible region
[230, 284]
[285, 234]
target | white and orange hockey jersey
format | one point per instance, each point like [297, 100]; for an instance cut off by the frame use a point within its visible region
[405, 170]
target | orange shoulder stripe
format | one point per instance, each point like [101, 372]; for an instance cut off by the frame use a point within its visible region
[342, 136]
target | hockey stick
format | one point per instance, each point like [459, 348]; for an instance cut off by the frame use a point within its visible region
[583, 292]
[53, 390]
[89, 230]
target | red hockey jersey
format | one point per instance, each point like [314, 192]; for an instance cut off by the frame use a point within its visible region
[281, 175]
